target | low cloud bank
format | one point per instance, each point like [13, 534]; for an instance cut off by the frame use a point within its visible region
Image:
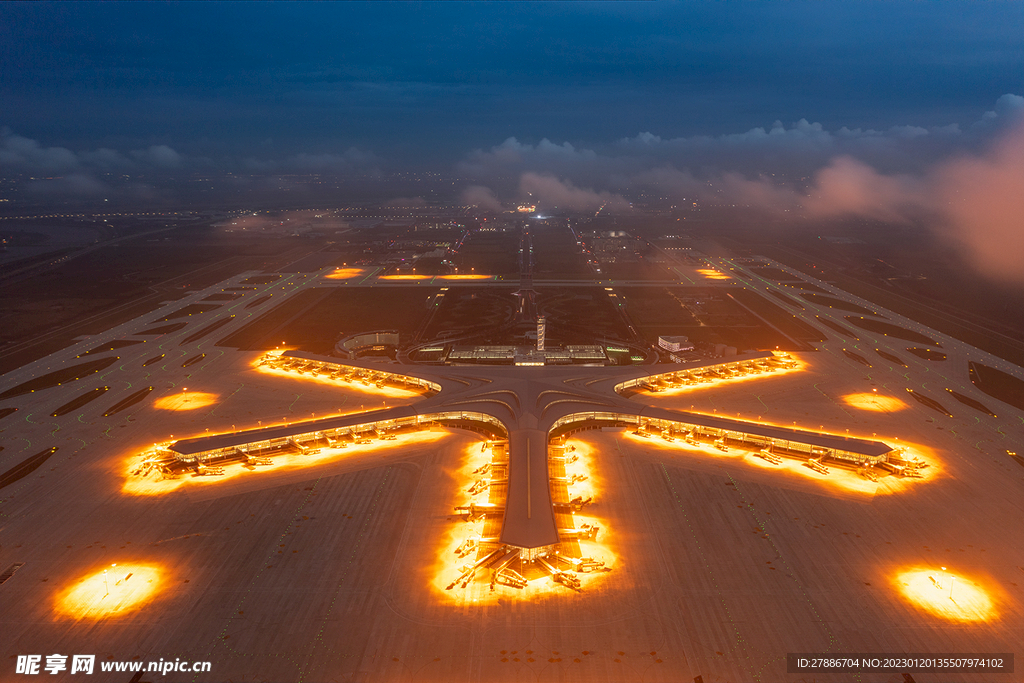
[58, 172]
[482, 197]
[18, 153]
[965, 181]
[968, 183]
[982, 200]
[550, 191]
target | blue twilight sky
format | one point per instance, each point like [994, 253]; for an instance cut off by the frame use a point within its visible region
[423, 85]
[900, 111]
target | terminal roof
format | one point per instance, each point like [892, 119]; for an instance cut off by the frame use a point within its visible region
[528, 401]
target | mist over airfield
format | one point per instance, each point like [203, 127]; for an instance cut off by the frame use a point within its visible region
[965, 183]
[910, 113]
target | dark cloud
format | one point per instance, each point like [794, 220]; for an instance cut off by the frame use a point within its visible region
[18, 153]
[69, 175]
[23, 154]
[80, 175]
[159, 156]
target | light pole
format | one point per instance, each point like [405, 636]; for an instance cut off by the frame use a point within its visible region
[943, 577]
[951, 580]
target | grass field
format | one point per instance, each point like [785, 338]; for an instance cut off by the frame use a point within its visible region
[493, 253]
[580, 315]
[795, 329]
[704, 314]
[555, 255]
[890, 330]
[464, 310]
[832, 302]
[998, 384]
[60, 377]
[314, 319]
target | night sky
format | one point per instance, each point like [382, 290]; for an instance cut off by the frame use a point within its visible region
[901, 111]
[425, 84]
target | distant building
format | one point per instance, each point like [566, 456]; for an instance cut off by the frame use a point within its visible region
[353, 345]
[675, 343]
[572, 354]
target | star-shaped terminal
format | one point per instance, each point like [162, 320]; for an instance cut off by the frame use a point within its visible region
[526, 412]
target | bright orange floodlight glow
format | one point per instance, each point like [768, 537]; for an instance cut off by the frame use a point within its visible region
[345, 273]
[446, 563]
[602, 548]
[478, 591]
[470, 276]
[440, 572]
[186, 400]
[847, 480]
[799, 366]
[584, 464]
[874, 402]
[123, 587]
[947, 594]
[155, 484]
[353, 385]
[712, 274]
